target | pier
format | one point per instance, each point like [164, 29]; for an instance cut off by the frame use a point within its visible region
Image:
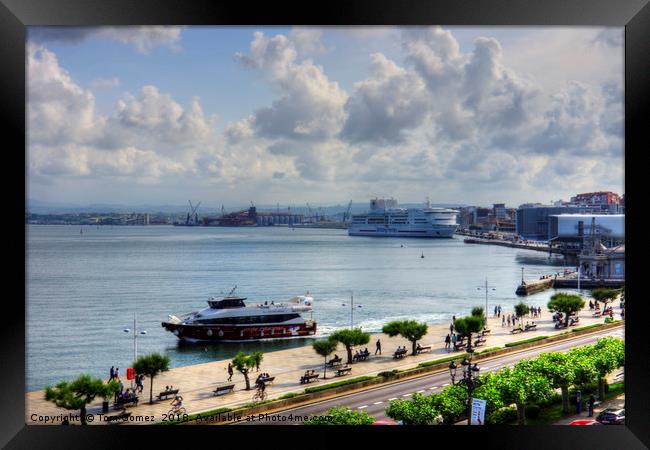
[567, 281]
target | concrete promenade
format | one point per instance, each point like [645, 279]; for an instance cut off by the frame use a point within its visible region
[197, 382]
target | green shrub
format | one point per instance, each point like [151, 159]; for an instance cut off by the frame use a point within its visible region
[526, 341]
[459, 356]
[608, 320]
[311, 390]
[489, 349]
[532, 411]
[289, 395]
[387, 374]
[503, 416]
[596, 325]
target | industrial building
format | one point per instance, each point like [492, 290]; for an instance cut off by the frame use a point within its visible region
[532, 222]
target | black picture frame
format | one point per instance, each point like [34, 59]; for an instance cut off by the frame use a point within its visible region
[634, 15]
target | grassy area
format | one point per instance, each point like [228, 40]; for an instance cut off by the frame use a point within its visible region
[489, 349]
[596, 325]
[337, 384]
[526, 341]
[459, 355]
[554, 413]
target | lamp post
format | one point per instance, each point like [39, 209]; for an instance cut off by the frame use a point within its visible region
[486, 287]
[351, 309]
[135, 339]
[470, 374]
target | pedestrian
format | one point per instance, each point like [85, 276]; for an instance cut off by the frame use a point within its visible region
[495, 310]
[539, 310]
[591, 305]
[623, 313]
[592, 401]
[503, 321]
[447, 343]
[117, 373]
[508, 320]
[611, 313]
[499, 313]
[112, 373]
[230, 372]
[453, 341]
[257, 365]
[451, 328]
[121, 388]
[378, 347]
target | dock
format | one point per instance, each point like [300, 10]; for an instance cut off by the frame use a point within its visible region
[568, 281]
[536, 247]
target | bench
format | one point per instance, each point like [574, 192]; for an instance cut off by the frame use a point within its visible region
[307, 378]
[122, 416]
[125, 401]
[530, 327]
[459, 345]
[224, 389]
[343, 371]
[361, 357]
[334, 361]
[516, 330]
[485, 331]
[426, 348]
[479, 341]
[266, 381]
[167, 393]
[400, 354]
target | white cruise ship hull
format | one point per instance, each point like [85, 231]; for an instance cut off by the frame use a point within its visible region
[383, 231]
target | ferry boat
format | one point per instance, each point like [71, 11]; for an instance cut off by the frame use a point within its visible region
[386, 218]
[229, 319]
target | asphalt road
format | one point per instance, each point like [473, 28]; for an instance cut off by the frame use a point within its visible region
[375, 401]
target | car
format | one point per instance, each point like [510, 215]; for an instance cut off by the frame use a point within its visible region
[585, 422]
[612, 416]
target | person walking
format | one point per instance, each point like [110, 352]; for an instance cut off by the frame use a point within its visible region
[508, 320]
[499, 311]
[447, 343]
[451, 328]
[378, 347]
[230, 372]
[495, 310]
[112, 373]
[503, 321]
[453, 341]
[539, 310]
[117, 373]
[592, 401]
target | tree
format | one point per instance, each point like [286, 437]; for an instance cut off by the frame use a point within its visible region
[419, 410]
[341, 416]
[325, 347]
[478, 311]
[451, 403]
[243, 363]
[558, 369]
[521, 310]
[566, 304]
[465, 326]
[521, 386]
[608, 354]
[408, 329]
[350, 338]
[605, 295]
[151, 365]
[79, 393]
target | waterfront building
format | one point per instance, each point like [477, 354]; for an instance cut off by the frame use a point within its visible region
[532, 221]
[499, 211]
[598, 261]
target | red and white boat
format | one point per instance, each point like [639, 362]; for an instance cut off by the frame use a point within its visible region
[229, 319]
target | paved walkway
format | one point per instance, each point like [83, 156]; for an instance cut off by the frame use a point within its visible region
[197, 382]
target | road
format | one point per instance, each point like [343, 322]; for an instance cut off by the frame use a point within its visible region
[375, 401]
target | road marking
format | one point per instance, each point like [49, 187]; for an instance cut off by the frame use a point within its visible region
[432, 388]
[377, 403]
[391, 399]
[361, 407]
[419, 392]
[407, 395]
[446, 384]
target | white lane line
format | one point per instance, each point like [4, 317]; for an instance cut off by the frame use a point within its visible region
[361, 407]
[378, 403]
[446, 384]
[391, 399]
[419, 392]
[432, 388]
[407, 395]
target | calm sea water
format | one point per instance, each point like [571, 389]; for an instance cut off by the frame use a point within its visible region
[83, 289]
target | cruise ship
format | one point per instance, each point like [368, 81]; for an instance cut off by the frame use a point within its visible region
[229, 319]
[386, 218]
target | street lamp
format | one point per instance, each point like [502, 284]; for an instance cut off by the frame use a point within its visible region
[135, 338]
[351, 309]
[486, 297]
[470, 374]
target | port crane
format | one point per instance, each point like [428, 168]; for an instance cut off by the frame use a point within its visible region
[193, 213]
[347, 216]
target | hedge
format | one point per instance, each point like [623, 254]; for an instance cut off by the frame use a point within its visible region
[526, 341]
[587, 327]
[459, 355]
[311, 390]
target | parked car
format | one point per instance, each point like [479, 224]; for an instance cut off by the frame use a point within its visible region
[585, 422]
[612, 416]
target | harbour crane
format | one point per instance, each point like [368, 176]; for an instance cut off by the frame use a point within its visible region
[347, 213]
[311, 214]
[193, 213]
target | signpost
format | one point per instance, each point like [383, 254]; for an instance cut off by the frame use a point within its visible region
[478, 411]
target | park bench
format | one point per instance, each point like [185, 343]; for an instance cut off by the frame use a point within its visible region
[121, 416]
[306, 378]
[267, 380]
[516, 330]
[426, 348]
[121, 401]
[343, 371]
[574, 321]
[485, 331]
[459, 345]
[400, 354]
[163, 395]
[334, 361]
[361, 356]
[224, 388]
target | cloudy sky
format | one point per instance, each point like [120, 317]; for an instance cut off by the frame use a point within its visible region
[471, 115]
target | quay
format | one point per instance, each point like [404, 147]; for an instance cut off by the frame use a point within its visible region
[568, 280]
[196, 383]
[520, 245]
